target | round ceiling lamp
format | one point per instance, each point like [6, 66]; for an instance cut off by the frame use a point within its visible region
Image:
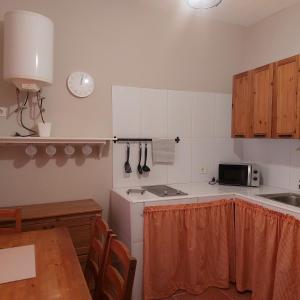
[203, 3]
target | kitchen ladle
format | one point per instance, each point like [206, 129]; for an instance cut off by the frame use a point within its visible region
[145, 167]
[139, 167]
[127, 166]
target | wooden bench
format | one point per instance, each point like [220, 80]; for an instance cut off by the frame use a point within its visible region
[78, 216]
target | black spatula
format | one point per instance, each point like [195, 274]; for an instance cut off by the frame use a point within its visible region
[139, 167]
[145, 167]
[127, 166]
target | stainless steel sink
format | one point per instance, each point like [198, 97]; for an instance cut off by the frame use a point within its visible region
[287, 198]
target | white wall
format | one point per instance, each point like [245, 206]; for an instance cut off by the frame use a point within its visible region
[272, 39]
[201, 120]
[159, 44]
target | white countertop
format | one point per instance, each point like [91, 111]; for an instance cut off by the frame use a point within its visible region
[204, 190]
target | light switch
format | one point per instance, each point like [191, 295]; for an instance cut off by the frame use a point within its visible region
[203, 170]
[3, 112]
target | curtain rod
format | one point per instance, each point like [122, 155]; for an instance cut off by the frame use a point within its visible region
[177, 139]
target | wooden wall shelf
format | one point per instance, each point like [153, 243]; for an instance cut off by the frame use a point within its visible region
[31, 144]
[53, 140]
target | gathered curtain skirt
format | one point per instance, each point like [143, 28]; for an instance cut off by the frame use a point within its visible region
[188, 247]
[195, 246]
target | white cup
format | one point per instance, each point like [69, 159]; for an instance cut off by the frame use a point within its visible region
[44, 129]
[69, 150]
[31, 150]
[51, 150]
[87, 150]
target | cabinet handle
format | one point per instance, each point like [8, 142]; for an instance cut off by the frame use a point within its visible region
[287, 135]
[239, 135]
[259, 135]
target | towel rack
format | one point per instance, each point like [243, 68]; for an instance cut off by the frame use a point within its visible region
[133, 140]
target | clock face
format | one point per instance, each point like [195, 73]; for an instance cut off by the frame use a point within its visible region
[81, 84]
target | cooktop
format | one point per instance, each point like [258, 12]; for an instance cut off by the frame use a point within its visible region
[163, 191]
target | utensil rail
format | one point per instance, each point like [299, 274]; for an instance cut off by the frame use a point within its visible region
[134, 140]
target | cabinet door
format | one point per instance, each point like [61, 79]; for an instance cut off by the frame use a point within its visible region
[262, 79]
[285, 101]
[241, 105]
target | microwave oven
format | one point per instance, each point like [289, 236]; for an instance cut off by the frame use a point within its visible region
[239, 174]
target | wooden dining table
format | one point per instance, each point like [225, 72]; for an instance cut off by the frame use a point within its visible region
[58, 272]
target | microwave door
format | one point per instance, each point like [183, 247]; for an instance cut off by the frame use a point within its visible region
[234, 175]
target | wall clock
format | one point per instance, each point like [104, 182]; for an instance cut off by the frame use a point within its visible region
[81, 84]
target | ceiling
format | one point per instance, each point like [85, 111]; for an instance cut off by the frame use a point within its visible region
[245, 12]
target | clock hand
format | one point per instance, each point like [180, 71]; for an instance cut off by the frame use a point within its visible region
[81, 79]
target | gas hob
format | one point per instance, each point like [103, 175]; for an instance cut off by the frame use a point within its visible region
[163, 191]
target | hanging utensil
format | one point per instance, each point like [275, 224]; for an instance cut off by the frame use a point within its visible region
[127, 166]
[139, 167]
[145, 167]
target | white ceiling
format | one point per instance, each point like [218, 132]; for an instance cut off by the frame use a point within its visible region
[241, 12]
[246, 12]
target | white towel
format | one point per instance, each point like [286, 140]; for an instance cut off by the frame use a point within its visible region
[163, 151]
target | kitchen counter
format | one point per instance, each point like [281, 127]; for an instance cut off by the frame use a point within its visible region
[205, 191]
[126, 211]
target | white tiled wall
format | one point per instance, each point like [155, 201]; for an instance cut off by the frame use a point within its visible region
[279, 160]
[201, 120]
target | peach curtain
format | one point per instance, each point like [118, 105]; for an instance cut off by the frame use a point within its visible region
[287, 277]
[188, 247]
[267, 253]
[257, 239]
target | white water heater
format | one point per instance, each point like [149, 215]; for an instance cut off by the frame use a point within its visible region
[28, 50]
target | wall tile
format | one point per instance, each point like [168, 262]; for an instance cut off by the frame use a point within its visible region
[202, 157]
[203, 115]
[158, 173]
[172, 202]
[223, 116]
[120, 218]
[225, 150]
[180, 171]
[273, 157]
[201, 120]
[180, 113]
[137, 252]
[277, 170]
[120, 178]
[137, 222]
[126, 105]
[154, 113]
[255, 150]
[295, 165]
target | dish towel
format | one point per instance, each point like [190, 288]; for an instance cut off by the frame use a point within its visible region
[163, 151]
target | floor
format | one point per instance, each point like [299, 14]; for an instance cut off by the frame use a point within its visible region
[214, 294]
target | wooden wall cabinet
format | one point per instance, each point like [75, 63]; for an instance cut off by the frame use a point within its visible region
[285, 111]
[78, 216]
[241, 105]
[266, 101]
[262, 98]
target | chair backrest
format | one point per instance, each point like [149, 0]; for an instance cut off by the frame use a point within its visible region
[101, 236]
[119, 270]
[11, 214]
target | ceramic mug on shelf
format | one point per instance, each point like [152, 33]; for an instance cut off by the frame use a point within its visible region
[69, 150]
[44, 129]
[51, 150]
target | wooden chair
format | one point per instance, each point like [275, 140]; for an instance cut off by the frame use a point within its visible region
[11, 214]
[101, 236]
[119, 270]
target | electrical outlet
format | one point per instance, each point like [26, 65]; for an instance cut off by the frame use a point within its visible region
[3, 111]
[203, 170]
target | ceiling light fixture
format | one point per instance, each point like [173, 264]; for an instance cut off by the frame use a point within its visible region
[203, 3]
